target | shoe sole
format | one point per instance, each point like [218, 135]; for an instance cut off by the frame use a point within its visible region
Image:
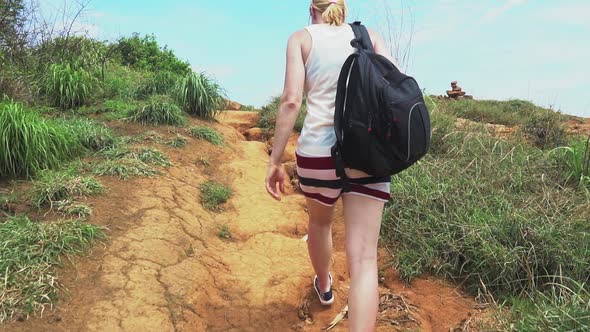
[324, 303]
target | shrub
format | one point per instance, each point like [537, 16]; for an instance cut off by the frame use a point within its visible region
[54, 186]
[213, 194]
[30, 252]
[67, 86]
[268, 115]
[199, 95]
[206, 133]
[144, 53]
[158, 111]
[30, 143]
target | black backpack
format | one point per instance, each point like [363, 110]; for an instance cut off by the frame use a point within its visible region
[381, 122]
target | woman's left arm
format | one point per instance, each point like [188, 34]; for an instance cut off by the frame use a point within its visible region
[291, 100]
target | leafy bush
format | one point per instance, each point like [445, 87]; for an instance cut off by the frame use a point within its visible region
[90, 134]
[206, 133]
[67, 86]
[31, 143]
[54, 186]
[30, 252]
[199, 95]
[158, 111]
[161, 83]
[213, 194]
[268, 115]
[145, 54]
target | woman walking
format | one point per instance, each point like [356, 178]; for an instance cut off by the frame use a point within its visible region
[315, 56]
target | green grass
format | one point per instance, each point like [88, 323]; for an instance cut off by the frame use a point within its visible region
[545, 129]
[29, 253]
[67, 86]
[208, 134]
[199, 95]
[268, 115]
[124, 168]
[154, 156]
[177, 142]
[116, 109]
[121, 82]
[562, 309]
[91, 135]
[143, 155]
[160, 83]
[493, 217]
[158, 111]
[224, 232]
[214, 194]
[72, 208]
[575, 161]
[54, 186]
[31, 143]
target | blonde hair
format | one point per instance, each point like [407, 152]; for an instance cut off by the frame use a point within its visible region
[333, 12]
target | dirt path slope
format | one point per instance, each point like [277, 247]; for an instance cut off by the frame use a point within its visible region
[166, 268]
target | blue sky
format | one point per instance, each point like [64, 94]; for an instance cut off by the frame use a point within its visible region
[536, 50]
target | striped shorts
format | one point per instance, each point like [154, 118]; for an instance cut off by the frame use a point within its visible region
[318, 181]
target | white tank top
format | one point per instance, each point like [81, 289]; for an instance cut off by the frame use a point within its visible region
[330, 48]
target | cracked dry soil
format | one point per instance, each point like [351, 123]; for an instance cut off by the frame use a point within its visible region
[166, 269]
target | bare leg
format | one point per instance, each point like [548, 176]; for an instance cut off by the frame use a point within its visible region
[362, 216]
[319, 242]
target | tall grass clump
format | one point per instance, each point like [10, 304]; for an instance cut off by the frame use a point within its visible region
[493, 217]
[29, 253]
[31, 143]
[207, 133]
[268, 115]
[158, 111]
[199, 95]
[575, 162]
[67, 86]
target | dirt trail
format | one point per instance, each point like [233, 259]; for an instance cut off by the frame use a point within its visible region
[166, 269]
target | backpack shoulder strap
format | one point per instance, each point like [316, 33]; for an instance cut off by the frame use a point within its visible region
[362, 36]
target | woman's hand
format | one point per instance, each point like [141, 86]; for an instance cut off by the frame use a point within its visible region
[276, 175]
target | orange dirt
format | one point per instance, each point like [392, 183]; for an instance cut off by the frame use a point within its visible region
[580, 126]
[166, 269]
